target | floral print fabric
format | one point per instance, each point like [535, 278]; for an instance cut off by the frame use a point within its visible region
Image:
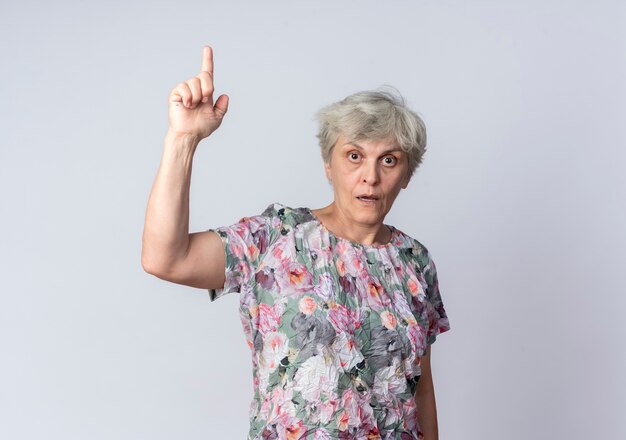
[336, 328]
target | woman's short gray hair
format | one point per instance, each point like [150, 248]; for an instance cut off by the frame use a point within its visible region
[375, 115]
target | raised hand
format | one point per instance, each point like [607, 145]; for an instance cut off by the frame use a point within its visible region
[191, 108]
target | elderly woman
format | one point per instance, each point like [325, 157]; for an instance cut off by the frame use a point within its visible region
[338, 308]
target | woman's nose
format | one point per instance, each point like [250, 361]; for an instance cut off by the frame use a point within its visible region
[370, 174]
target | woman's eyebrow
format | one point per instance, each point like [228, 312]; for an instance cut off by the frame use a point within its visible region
[391, 150]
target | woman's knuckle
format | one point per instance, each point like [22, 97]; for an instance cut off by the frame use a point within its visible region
[204, 76]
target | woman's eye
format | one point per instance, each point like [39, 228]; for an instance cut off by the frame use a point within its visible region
[389, 160]
[354, 156]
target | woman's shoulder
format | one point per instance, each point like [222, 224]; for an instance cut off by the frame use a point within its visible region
[412, 248]
[287, 215]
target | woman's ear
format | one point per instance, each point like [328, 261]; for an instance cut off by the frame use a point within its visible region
[327, 170]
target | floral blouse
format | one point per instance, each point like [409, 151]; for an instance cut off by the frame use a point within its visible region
[336, 328]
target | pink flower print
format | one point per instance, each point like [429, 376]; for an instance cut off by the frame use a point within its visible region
[416, 287]
[320, 412]
[261, 239]
[265, 278]
[237, 250]
[253, 252]
[245, 236]
[322, 434]
[280, 394]
[296, 277]
[283, 407]
[307, 305]
[433, 325]
[274, 349]
[351, 408]
[401, 306]
[243, 268]
[347, 356]
[326, 410]
[388, 319]
[422, 280]
[341, 248]
[266, 407]
[269, 317]
[348, 285]
[412, 285]
[411, 367]
[354, 266]
[276, 221]
[322, 258]
[341, 267]
[298, 274]
[269, 433]
[400, 272]
[417, 336]
[285, 428]
[295, 431]
[409, 418]
[377, 295]
[277, 252]
[388, 383]
[373, 433]
[342, 420]
[348, 260]
[357, 411]
[344, 319]
[316, 380]
[315, 242]
[247, 330]
[354, 404]
[324, 288]
[410, 320]
[338, 316]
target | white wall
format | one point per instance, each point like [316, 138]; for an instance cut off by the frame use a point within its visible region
[520, 199]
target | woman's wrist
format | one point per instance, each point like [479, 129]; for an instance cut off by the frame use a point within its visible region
[182, 139]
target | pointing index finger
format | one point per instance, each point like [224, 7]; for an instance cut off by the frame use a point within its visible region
[207, 60]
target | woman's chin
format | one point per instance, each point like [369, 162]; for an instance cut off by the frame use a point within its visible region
[368, 215]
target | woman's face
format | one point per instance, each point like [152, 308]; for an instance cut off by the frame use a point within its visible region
[366, 177]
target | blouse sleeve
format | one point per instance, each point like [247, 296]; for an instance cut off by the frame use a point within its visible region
[245, 243]
[437, 317]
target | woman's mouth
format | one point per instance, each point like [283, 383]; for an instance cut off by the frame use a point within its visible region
[368, 199]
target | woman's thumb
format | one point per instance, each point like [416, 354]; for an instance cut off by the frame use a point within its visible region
[221, 105]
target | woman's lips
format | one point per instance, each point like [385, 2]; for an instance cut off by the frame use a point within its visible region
[368, 200]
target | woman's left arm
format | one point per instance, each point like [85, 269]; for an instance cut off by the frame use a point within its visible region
[425, 399]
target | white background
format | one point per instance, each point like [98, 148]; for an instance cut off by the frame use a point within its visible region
[520, 199]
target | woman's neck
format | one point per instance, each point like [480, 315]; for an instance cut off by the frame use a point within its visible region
[340, 224]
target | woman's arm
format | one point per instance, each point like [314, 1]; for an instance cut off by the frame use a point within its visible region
[425, 399]
[168, 250]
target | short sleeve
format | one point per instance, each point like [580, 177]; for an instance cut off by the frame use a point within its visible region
[245, 243]
[437, 317]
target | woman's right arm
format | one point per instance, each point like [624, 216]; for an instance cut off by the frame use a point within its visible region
[168, 250]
